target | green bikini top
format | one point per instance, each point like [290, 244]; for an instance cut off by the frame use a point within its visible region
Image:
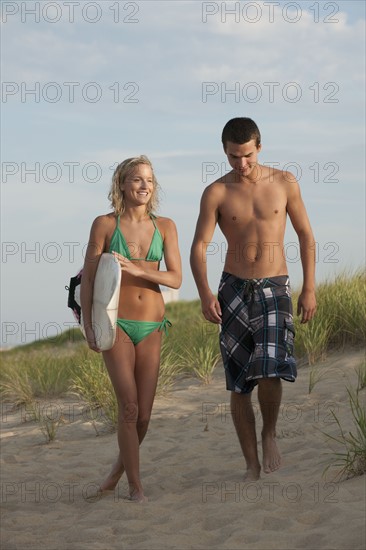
[119, 244]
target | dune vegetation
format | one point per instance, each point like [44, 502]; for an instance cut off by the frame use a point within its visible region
[64, 365]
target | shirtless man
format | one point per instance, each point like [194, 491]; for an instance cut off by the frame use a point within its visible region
[254, 308]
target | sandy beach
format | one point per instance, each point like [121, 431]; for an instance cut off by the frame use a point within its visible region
[191, 468]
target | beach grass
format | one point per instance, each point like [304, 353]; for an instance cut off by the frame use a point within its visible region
[40, 372]
[361, 376]
[348, 455]
[47, 423]
[56, 366]
[170, 369]
[340, 319]
[91, 382]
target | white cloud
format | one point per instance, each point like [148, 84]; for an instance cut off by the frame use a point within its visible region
[170, 52]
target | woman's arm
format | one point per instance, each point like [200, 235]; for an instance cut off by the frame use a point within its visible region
[172, 277]
[94, 250]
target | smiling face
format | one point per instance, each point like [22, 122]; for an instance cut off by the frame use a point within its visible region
[138, 186]
[134, 184]
[243, 157]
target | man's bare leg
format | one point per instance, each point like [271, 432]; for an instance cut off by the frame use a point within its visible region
[269, 396]
[244, 422]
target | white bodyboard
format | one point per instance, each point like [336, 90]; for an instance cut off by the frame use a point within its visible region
[107, 285]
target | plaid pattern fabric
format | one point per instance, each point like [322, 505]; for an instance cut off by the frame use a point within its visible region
[257, 331]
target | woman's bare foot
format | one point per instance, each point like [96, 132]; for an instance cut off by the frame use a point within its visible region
[137, 494]
[109, 484]
[138, 497]
[252, 474]
[271, 454]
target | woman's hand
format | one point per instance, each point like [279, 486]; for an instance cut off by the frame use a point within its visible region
[90, 338]
[127, 266]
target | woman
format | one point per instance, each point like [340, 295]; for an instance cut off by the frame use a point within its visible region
[138, 239]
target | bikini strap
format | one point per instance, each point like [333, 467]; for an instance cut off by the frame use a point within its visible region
[164, 326]
[117, 222]
[153, 218]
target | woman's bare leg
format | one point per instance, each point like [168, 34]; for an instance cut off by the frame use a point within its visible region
[120, 363]
[135, 387]
[146, 377]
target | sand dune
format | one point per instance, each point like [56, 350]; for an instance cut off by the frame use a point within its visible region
[192, 469]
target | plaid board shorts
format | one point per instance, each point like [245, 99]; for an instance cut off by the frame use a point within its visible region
[257, 331]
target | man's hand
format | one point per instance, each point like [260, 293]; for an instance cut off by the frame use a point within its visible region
[211, 309]
[306, 305]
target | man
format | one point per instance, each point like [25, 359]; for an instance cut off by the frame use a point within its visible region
[251, 204]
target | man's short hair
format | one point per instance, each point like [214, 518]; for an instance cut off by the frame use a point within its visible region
[240, 130]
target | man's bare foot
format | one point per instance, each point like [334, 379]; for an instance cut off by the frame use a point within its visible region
[109, 484]
[252, 474]
[271, 454]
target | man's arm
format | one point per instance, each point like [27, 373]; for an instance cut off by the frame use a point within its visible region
[306, 305]
[205, 228]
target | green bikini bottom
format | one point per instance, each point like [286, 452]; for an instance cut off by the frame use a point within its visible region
[138, 330]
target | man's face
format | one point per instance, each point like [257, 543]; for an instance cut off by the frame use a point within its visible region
[242, 157]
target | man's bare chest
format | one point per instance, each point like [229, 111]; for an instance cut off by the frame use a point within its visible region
[245, 206]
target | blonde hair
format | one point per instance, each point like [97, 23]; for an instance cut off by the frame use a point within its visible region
[120, 174]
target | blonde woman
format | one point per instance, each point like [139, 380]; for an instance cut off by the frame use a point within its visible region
[139, 240]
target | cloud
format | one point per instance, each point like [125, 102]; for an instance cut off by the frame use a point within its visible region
[170, 53]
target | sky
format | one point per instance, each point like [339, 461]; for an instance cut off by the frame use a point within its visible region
[87, 84]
